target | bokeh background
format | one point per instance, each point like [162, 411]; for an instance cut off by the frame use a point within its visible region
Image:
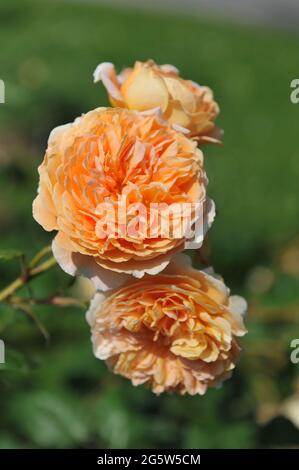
[54, 393]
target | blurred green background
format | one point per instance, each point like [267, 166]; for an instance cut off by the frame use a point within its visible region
[55, 394]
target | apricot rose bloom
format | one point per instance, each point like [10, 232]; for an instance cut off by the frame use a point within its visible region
[147, 86]
[178, 333]
[105, 154]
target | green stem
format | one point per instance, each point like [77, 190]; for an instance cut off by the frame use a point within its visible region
[41, 254]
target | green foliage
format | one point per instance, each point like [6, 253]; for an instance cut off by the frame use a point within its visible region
[57, 394]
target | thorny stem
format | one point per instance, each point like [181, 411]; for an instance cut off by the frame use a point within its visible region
[34, 269]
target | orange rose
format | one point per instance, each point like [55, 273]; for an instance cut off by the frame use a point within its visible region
[90, 164]
[178, 333]
[148, 86]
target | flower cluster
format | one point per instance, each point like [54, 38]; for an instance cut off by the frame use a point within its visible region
[125, 189]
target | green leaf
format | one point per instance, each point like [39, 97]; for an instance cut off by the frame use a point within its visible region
[10, 253]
